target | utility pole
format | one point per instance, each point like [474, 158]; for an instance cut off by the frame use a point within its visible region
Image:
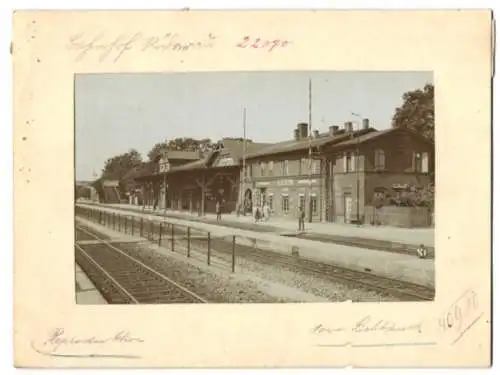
[357, 164]
[243, 168]
[165, 180]
[310, 153]
[357, 175]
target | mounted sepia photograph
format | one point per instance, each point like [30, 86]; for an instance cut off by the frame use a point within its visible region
[254, 187]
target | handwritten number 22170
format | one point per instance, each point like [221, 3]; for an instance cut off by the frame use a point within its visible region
[258, 43]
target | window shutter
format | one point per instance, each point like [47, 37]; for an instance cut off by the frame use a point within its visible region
[345, 162]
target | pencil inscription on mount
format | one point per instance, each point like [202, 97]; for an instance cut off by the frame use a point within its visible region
[262, 43]
[105, 47]
[371, 324]
[60, 344]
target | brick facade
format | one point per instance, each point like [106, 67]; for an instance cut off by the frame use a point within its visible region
[345, 175]
[284, 181]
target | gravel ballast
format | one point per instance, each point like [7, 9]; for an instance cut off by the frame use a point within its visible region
[252, 282]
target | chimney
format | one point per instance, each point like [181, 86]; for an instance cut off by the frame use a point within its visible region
[333, 130]
[366, 123]
[296, 134]
[348, 126]
[303, 130]
[316, 133]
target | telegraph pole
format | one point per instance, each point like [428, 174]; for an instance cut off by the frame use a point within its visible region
[357, 175]
[165, 180]
[357, 165]
[310, 153]
[243, 174]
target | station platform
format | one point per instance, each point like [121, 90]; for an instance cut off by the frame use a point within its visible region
[393, 265]
[402, 236]
[86, 292]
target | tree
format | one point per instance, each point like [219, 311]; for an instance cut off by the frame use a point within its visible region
[156, 150]
[83, 192]
[118, 166]
[417, 112]
[178, 144]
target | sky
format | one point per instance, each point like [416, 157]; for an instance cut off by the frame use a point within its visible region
[117, 112]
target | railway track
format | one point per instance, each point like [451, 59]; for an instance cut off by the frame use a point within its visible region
[405, 290]
[122, 279]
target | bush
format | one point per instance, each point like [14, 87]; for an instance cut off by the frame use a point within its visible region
[412, 197]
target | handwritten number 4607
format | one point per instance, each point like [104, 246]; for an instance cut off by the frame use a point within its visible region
[460, 311]
[258, 43]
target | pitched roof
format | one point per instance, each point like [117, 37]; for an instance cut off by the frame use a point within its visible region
[303, 144]
[232, 147]
[380, 133]
[365, 137]
[183, 155]
[198, 164]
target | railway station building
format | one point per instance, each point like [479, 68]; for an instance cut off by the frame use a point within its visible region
[349, 174]
[347, 169]
[150, 178]
[196, 185]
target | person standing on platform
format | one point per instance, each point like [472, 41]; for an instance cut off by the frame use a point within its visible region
[302, 215]
[256, 214]
[267, 211]
[218, 211]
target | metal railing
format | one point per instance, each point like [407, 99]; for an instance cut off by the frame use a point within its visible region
[178, 238]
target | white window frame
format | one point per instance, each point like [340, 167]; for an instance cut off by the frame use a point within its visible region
[417, 162]
[302, 199]
[349, 162]
[314, 207]
[270, 168]
[380, 159]
[263, 166]
[316, 166]
[285, 197]
[425, 162]
[270, 199]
